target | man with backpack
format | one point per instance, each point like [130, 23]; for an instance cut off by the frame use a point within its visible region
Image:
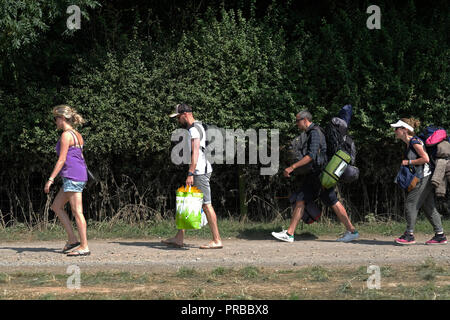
[199, 174]
[310, 187]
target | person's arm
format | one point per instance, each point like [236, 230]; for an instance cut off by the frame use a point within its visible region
[312, 153]
[195, 147]
[302, 162]
[64, 147]
[423, 156]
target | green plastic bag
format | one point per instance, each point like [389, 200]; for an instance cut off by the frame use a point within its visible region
[334, 169]
[189, 209]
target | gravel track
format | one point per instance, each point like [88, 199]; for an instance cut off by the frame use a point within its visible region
[151, 255]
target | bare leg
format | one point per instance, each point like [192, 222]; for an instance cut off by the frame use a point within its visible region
[177, 240]
[212, 221]
[58, 207]
[296, 216]
[342, 215]
[76, 203]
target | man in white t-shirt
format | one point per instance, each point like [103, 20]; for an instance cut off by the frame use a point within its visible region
[199, 174]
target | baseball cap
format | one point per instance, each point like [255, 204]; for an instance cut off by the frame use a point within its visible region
[180, 109]
[402, 124]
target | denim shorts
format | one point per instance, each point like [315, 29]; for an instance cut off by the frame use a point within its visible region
[73, 186]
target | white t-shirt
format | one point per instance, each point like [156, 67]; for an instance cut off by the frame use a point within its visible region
[202, 162]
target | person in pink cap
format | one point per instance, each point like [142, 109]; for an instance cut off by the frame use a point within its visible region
[422, 196]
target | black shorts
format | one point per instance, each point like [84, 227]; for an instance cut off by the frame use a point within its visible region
[308, 188]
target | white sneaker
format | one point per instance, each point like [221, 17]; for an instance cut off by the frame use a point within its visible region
[283, 236]
[349, 236]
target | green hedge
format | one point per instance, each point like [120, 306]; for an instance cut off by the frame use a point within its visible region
[241, 65]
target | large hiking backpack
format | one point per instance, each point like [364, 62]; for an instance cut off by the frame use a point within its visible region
[341, 151]
[338, 139]
[433, 136]
[299, 148]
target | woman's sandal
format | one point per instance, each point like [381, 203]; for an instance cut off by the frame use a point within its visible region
[69, 247]
[79, 253]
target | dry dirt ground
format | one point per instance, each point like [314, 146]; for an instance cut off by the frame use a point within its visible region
[152, 255]
[146, 269]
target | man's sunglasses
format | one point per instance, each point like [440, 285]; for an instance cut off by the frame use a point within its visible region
[298, 120]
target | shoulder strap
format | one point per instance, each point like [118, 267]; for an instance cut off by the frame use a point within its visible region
[77, 144]
[200, 130]
[321, 155]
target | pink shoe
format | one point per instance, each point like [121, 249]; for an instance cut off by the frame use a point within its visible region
[406, 238]
[438, 239]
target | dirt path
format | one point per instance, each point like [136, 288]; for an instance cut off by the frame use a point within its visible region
[151, 254]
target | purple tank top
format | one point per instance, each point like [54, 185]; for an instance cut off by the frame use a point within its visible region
[75, 167]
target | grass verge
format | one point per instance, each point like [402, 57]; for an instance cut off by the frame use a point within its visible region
[248, 283]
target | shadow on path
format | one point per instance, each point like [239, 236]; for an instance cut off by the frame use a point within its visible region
[366, 241]
[155, 245]
[266, 234]
[21, 250]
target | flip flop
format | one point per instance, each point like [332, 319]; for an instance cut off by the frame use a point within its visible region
[173, 244]
[211, 246]
[79, 253]
[69, 246]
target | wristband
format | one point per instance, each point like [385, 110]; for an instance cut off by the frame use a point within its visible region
[51, 179]
[190, 174]
[409, 162]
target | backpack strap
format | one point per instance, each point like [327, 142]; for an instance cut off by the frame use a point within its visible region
[320, 154]
[200, 129]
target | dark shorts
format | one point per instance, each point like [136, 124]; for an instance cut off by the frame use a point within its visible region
[308, 189]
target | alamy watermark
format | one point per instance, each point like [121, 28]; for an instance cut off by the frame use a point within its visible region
[74, 281]
[374, 21]
[374, 281]
[228, 146]
[74, 20]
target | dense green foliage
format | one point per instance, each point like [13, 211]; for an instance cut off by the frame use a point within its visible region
[241, 64]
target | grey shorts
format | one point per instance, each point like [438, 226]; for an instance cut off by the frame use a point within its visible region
[201, 181]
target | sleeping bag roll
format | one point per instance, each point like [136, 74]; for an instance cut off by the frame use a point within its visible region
[334, 169]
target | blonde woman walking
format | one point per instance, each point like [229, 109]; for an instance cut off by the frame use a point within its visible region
[72, 168]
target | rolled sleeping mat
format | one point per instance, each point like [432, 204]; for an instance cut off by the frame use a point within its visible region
[334, 169]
